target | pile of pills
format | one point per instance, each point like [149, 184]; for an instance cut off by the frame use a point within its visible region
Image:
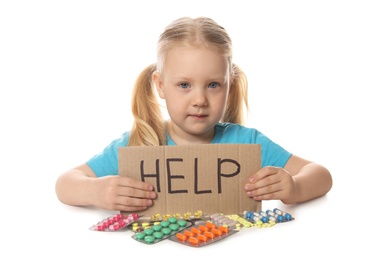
[158, 231]
[202, 234]
[115, 222]
[268, 216]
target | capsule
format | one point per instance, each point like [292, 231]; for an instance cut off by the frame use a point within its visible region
[202, 238]
[193, 240]
[209, 234]
[181, 236]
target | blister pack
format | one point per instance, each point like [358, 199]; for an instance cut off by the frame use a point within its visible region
[115, 222]
[202, 233]
[154, 232]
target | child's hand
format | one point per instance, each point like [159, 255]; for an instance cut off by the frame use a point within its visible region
[119, 193]
[270, 183]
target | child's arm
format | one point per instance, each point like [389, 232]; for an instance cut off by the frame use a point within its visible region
[300, 180]
[81, 187]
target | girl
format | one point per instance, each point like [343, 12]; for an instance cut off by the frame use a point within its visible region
[206, 98]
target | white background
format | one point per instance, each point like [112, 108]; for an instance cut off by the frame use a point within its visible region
[318, 75]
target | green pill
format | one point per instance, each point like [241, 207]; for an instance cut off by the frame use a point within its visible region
[157, 227]
[164, 223]
[166, 231]
[158, 235]
[140, 236]
[148, 231]
[174, 227]
[149, 239]
[172, 220]
[182, 223]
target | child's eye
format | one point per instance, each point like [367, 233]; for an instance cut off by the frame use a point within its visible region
[184, 85]
[213, 85]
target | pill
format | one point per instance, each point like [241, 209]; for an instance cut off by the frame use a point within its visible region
[216, 232]
[149, 239]
[172, 220]
[287, 216]
[157, 227]
[203, 228]
[188, 233]
[202, 238]
[210, 225]
[182, 223]
[140, 236]
[158, 234]
[164, 223]
[196, 231]
[193, 240]
[181, 236]
[174, 227]
[209, 234]
[215, 215]
[166, 231]
[223, 229]
[148, 231]
[278, 211]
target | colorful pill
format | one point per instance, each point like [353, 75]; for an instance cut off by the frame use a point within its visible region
[216, 232]
[193, 240]
[202, 238]
[210, 225]
[140, 236]
[148, 231]
[182, 223]
[209, 234]
[166, 231]
[196, 231]
[149, 239]
[158, 234]
[188, 233]
[203, 228]
[223, 229]
[181, 236]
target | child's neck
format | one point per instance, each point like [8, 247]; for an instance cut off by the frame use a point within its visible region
[182, 138]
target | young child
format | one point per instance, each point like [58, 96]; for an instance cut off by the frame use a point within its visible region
[206, 98]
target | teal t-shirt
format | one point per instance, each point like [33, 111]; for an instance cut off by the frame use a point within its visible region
[106, 162]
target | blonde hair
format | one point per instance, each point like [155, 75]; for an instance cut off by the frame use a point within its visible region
[149, 126]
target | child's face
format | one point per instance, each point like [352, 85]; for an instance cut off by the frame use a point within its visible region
[195, 86]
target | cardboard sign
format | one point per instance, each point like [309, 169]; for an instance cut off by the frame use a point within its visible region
[188, 178]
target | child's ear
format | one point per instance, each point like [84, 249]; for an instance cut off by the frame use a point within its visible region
[157, 80]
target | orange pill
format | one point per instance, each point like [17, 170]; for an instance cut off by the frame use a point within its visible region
[181, 236]
[193, 240]
[216, 232]
[224, 229]
[203, 228]
[196, 231]
[188, 233]
[210, 225]
[209, 234]
[202, 238]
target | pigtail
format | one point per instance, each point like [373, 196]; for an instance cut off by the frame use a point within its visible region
[237, 103]
[148, 128]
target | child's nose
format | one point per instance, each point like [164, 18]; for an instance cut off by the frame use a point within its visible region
[199, 98]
